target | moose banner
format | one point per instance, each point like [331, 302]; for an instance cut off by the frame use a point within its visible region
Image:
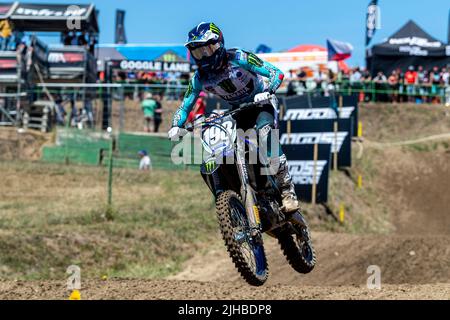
[305, 171]
[299, 108]
[305, 132]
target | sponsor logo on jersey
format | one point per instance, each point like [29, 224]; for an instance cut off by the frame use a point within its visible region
[240, 93]
[302, 172]
[254, 60]
[336, 141]
[189, 89]
[317, 113]
[227, 85]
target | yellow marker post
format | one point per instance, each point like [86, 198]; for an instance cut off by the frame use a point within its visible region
[359, 181]
[360, 129]
[75, 295]
[342, 213]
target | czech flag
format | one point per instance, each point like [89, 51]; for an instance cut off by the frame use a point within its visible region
[338, 50]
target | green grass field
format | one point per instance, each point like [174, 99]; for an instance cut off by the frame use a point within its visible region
[52, 216]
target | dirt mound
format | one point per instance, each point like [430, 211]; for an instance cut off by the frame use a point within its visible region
[342, 260]
[415, 184]
[193, 290]
[21, 145]
[397, 122]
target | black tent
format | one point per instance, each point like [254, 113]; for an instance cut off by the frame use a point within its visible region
[50, 17]
[411, 45]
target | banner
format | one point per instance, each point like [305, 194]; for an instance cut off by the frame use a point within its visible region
[448, 30]
[120, 37]
[8, 65]
[300, 108]
[305, 132]
[152, 66]
[63, 59]
[52, 17]
[301, 169]
[372, 20]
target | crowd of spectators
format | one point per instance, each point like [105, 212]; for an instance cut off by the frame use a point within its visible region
[415, 85]
[80, 39]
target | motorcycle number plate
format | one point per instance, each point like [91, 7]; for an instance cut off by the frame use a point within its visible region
[219, 137]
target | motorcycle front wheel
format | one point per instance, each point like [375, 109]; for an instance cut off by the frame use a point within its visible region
[297, 248]
[246, 251]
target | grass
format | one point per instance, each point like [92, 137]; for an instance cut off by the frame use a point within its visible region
[52, 216]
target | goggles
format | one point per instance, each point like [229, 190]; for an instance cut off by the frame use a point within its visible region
[204, 51]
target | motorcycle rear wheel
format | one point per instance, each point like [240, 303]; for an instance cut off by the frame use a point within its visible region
[246, 252]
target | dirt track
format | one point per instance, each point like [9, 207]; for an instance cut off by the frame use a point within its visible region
[411, 268]
[192, 290]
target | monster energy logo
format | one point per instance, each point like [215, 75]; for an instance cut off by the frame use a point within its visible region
[254, 60]
[210, 166]
[228, 86]
[214, 28]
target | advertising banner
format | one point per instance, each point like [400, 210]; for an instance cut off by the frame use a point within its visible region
[152, 66]
[304, 170]
[301, 108]
[8, 65]
[305, 132]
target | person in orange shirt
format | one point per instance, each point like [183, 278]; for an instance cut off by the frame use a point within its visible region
[411, 80]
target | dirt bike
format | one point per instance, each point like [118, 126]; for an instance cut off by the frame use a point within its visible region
[249, 204]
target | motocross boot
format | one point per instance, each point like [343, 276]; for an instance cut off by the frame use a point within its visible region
[284, 181]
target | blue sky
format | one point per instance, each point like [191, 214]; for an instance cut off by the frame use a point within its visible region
[279, 24]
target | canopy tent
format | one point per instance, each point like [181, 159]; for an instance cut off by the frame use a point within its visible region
[410, 45]
[51, 17]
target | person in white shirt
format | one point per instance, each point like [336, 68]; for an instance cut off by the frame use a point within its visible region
[146, 163]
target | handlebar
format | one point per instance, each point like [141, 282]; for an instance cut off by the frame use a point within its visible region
[190, 127]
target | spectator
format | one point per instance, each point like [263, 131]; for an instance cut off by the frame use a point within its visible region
[380, 78]
[302, 77]
[158, 112]
[60, 112]
[393, 86]
[18, 39]
[291, 88]
[422, 80]
[145, 164]
[199, 108]
[380, 81]
[411, 80]
[401, 85]
[81, 40]
[355, 79]
[435, 82]
[446, 82]
[68, 38]
[148, 107]
[5, 34]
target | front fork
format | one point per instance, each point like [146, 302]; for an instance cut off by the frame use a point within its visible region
[247, 192]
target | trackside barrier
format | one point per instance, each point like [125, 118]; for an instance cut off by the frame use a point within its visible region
[89, 147]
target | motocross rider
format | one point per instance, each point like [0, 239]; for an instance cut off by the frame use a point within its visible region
[236, 76]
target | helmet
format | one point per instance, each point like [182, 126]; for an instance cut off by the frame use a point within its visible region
[207, 47]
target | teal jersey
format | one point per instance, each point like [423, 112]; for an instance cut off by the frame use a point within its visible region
[244, 76]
